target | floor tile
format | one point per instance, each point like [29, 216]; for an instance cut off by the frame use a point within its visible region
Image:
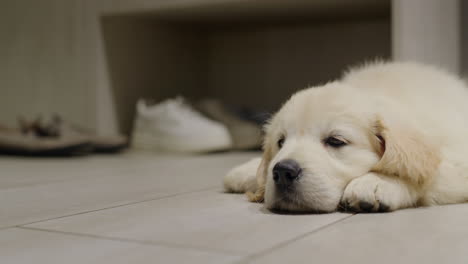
[34, 189]
[205, 220]
[426, 235]
[19, 246]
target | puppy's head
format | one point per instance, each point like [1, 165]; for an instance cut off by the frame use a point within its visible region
[319, 141]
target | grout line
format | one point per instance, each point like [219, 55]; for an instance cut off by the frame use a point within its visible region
[114, 206]
[134, 241]
[289, 241]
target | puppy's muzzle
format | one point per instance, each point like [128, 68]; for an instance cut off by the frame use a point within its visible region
[286, 173]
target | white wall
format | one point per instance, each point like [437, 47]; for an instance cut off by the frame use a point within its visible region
[464, 38]
[44, 65]
[427, 31]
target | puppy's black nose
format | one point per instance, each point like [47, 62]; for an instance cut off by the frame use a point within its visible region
[286, 171]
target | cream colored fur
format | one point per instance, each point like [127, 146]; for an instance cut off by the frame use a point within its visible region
[407, 128]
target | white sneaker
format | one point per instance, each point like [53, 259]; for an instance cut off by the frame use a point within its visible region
[173, 125]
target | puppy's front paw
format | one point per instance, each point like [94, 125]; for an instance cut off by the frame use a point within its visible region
[242, 178]
[377, 193]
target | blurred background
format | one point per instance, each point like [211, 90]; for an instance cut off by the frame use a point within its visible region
[88, 62]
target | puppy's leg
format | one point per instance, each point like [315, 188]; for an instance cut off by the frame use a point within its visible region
[451, 185]
[242, 178]
[375, 192]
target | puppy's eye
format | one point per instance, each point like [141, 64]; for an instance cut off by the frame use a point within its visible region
[335, 142]
[281, 142]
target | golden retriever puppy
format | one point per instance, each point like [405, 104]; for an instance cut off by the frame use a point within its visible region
[386, 136]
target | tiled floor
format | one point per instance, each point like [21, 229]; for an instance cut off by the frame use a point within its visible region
[143, 208]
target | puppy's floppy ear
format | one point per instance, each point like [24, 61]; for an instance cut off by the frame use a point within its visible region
[405, 152]
[262, 173]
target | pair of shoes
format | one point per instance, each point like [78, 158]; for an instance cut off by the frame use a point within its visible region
[27, 143]
[54, 138]
[176, 126]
